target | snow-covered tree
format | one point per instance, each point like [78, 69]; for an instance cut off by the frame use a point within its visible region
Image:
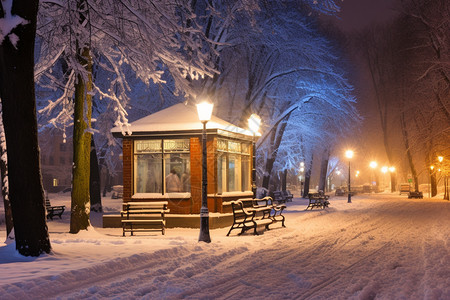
[147, 36]
[277, 67]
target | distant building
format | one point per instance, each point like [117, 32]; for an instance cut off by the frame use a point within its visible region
[56, 161]
[56, 164]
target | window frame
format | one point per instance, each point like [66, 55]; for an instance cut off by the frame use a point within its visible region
[165, 149]
[240, 152]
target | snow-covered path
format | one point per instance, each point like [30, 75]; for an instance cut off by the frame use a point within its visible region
[384, 247]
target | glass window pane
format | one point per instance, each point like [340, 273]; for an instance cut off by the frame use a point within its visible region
[181, 145]
[246, 173]
[148, 173]
[221, 173]
[177, 172]
[234, 173]
[234, 147]
[147, 146]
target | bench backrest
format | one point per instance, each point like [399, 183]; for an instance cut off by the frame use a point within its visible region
[239, 211]
[247, 202]
[160, 205]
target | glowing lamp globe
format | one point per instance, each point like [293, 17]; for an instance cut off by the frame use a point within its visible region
[204, 111]
[349, 153]
[254, 122]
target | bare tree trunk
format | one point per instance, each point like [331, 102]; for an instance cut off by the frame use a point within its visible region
[79, 217]
[4, 177]
[408, 152]
[275, 141]
[323, 170]
[380, 77]
[20, 123]
[308, 177]
[94, 181]
[283, 180]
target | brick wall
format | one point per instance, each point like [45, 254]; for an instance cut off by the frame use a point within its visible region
[127, 155]
[196, 174]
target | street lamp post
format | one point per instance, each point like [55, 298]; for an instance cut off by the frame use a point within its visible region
[373, 164]
[349, 155]
[204, 111]
[392, 170]
[384, 170]
[253, 123]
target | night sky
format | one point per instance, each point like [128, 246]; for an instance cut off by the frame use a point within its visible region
[357, 14]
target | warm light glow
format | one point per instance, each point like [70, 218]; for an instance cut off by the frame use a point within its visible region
[440, 158]
[302, 170]
[391, 169]
[254, 122]
[338, 172]
[302, 164]
[349, 153]
[432, 168]
[204, 111]
[373, 164]
[384, 169]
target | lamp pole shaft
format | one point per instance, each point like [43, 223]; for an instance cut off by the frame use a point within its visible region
[349, 186]
[204, 214]
[253, 167]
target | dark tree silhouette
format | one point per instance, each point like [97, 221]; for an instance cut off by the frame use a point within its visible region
[19, 119]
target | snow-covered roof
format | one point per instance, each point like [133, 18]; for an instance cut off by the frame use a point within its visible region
[179, 117]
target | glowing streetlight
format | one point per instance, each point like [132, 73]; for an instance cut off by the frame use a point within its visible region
[302, 169]
[373, 164]
[384, 169]
[392, 169]
[204, 111]
[254, 122]
[440, 158]
[349, 155]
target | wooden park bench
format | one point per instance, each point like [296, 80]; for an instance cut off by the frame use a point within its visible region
[144, 216]
[340, 192]
[417, 195]
[278, 197]
[117, 192]
[287, 196]
[53, 210]
[318, 200]
[249, 217]
[282, 196]
[276, 212]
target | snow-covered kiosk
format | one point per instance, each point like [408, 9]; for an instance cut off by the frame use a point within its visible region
[169, 141]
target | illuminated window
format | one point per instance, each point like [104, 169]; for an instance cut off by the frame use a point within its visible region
[154, 160]
[233, 166]
[55, 182]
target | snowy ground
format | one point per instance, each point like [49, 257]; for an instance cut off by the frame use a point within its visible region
[379, 246]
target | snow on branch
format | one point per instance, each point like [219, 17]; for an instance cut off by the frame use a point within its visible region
[9, 22]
